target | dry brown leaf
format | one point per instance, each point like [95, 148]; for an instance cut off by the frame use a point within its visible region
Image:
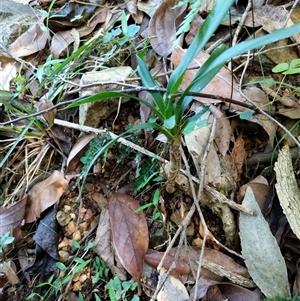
[129, 233]
[148, 7]
[31, 41]
[10, 273]
[103, 247]
[163, 26]
[77, 151]
[219, 85]
[181, 268]
[133, 9]
[238, 153]
[44, 194]
[270, 17]
[262, 192]
[196, 143]
[172, 290]
[11, 217]
[62, 39]
[223, 134]
[291, 113]
[49, 116]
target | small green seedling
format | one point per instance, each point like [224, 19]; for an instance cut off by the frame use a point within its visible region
[118, 289]
[5, 240]
[154, 203]
[287, 69]
[101, 270]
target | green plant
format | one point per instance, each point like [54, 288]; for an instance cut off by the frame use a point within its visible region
[155, 200]
[169, 108]
[292, 68]
[55, 286]
[147, 172]
[5, 240]
[101, 270]
[118, 289]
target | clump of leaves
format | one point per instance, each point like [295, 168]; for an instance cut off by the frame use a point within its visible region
[145, 174]
[288, 68]
[118, 289]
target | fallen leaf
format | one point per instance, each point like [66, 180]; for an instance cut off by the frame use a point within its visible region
[77, 152]
[181, 268]
[103, 247]
[223, 134]
[31, 41]
[10, 273]
[163, 26]
[287, 189]
[129, 233]
[219, 85]
[263, 193]
[263, 258]
[49, 116]
[62, 39]
[12, 216]
[172, 290]
[238, 154]
[44, 194]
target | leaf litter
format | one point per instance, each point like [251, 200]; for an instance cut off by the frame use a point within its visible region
[123, 235]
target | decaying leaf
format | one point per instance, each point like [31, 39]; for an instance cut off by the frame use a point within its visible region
[163, 26]
[12, 216]
[181, 268]
[31, 41]
[172, 290]
[62, 39]
[129, 232]
[219, 85]
[263, 258]
[262, 191]
[49, 116]
[287, 189]
[232, 291]
[44, 194]
[103, 245]
[77, 152]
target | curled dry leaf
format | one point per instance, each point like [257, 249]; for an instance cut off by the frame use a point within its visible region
[181, 268]
[172, 290]
[77, 151]
[11, 217]
[44, 194]
[129, 233]
[287, 189]
[163, 26]
[262, 254]
[103, 247]
[31, 41]
[62, 39]
[263, 193]
[49, 116]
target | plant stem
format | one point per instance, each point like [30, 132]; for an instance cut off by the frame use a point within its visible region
[174, 165]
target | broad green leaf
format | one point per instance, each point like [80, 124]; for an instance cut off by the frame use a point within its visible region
[246, 114]
[262, 254]
[113, 94]
[280, 67]
[133, 30]
[292, 71]
[208, 71]
[206, 31]
[149, 82]
[294, 63]
[170, 122]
